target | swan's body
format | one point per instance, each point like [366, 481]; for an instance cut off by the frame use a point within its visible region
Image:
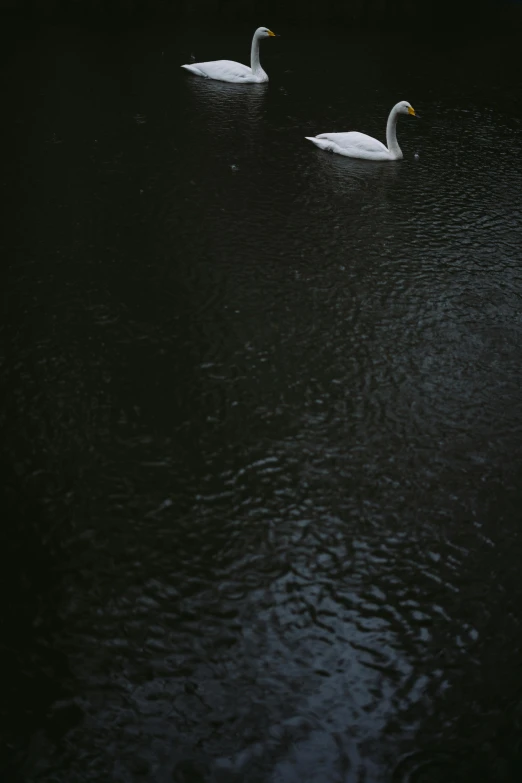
[226, 71]
[230, 71]
[359, 145]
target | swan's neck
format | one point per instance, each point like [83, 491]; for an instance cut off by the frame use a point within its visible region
[391, 134]
[254, 55]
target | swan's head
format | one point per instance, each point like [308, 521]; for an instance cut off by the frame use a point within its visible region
[405, 108]
[264, 32]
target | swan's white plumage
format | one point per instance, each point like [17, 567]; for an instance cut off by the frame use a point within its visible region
[229, 70]
[223, 70]
[352, 144]
[359, 145]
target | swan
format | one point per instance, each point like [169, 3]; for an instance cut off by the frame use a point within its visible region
[359, 145]
[230, 71]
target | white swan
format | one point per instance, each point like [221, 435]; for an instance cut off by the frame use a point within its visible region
[359, 145]
[230, 71]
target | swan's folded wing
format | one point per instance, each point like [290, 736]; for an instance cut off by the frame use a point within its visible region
[223, 70]
[357, 142]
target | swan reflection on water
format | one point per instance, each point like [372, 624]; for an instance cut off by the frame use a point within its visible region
[226, 107]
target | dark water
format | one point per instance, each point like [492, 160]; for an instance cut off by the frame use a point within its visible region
[262, 424]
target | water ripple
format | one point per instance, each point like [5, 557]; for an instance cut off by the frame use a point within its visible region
[270, 401]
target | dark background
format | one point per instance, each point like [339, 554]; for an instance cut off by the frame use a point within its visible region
[374, 14]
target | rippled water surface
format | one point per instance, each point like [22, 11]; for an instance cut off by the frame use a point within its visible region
[262, 426]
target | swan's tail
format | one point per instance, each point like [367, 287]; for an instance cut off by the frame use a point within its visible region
[323, 144]
[193, 69]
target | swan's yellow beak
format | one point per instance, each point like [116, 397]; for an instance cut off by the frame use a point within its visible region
[411, 111]
[271, 34]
